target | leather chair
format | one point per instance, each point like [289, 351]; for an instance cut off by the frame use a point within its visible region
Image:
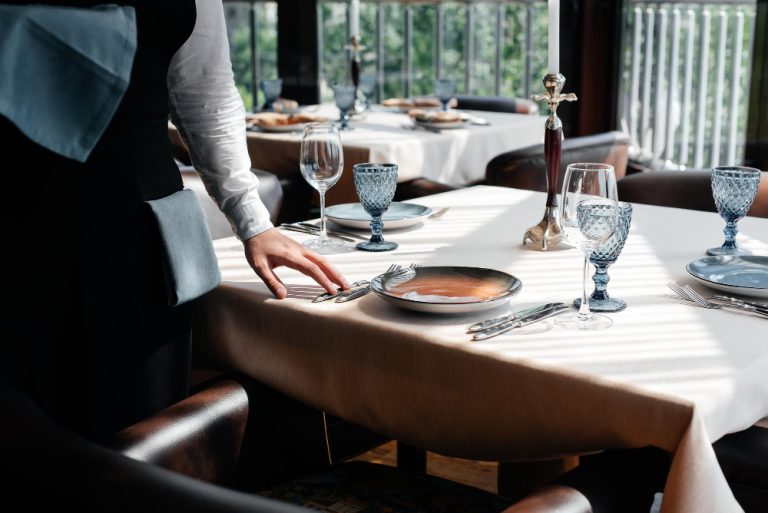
[524, 168]
[690, 189]
[497, 104]
[270, 191]
[226, 448]
[743, 456]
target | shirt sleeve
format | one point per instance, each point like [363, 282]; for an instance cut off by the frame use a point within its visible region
[207, 109]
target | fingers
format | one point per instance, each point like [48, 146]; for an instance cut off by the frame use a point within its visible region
[328, 269]
[274, 283]
[305, 266]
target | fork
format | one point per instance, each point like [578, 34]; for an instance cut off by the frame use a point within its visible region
[689, 294]
[394, 269]
[735, 305]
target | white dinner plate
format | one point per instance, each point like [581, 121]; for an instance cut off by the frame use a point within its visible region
[444, 125]
[281, 129]
[745, 275]
[448, 289]
[399, 215]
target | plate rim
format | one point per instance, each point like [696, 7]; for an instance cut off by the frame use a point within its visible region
[427, 211]
[747, 287]
[507, 294]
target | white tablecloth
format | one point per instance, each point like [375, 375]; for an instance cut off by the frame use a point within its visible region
[454, 157]
[666, 374]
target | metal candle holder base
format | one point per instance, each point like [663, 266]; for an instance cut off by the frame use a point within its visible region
[549, 232]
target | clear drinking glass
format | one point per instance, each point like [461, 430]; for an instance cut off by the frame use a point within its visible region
[444, 90]
[588, 215]
[344, 94]
[375, 185]
[603, 257]
[271, 89]
[734, 189]
[368, 87]
[321, 162]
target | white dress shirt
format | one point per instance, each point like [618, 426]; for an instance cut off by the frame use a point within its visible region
[207, 109]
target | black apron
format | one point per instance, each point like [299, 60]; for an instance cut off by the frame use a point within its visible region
[89, 334]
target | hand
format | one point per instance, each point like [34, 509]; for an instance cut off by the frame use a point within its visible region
[271, 249]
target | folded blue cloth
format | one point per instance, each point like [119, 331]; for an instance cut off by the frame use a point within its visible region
[191, 267]
[64, 71]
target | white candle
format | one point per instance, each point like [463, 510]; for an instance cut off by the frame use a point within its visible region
[354, 18]
[554, 36]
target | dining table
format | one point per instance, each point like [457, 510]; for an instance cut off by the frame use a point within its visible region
[455, 156]
[667, 374]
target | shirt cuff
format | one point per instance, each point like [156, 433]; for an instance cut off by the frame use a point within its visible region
[249, 219]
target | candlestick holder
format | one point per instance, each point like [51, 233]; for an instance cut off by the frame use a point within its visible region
[549, 232]
[355, 48]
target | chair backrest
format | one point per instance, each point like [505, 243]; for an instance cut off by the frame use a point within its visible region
[690, 189]
[496, 104]
[524, 168]
[270, 191]
[199, 437]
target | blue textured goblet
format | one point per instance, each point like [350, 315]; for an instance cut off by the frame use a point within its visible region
[602, 258]
[375, 185]
[734, 189]
[271, 89]
[368, 87]
[444, 90]
[344, 94]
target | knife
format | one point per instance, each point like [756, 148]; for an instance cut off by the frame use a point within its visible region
[327, 296]
[490, 323]
[523, 321]
[300, 229]
[340, 233]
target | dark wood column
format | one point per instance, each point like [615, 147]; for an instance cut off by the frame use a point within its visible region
[570, 64]
[601, 51]
[297, 59]
[756, 151]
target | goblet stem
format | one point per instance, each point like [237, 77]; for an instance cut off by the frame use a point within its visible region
[323, 231]
[584, 313]
[344, 120]
[376, 228]
[444, 105]
[730, 232]
[601, 280]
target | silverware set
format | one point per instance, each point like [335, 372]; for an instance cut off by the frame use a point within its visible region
[312, 229]
[490, 328]
[717, 302]
[363, 287]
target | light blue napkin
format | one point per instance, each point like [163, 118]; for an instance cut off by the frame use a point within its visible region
[191, 267]
[64, 71]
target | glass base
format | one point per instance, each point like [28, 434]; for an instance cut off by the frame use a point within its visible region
[603, 305]
[578, 322]
[727, 251]
[377, 246]
[324, 247]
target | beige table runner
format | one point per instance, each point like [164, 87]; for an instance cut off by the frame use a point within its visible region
[666, 374]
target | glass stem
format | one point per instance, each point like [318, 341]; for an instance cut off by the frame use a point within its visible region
[730, 232]
[584, 312]
[323, 230]
[376, 229]
[601, 280]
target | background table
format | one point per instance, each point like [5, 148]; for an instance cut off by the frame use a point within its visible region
[454, 157]
[666, 374]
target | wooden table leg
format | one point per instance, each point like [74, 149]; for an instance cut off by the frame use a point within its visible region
[516, 480]
[411, 458]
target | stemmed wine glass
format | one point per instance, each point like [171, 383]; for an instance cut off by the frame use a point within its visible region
[375, 185]
[444, 90]
[321, 162]
[589, 216]
[734, 189]
[368, 87]
[271, 89]
[344, 95]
